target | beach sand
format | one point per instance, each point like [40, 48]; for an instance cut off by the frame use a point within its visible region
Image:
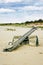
[24, 55]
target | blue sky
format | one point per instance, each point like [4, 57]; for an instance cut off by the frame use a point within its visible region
[14, 11]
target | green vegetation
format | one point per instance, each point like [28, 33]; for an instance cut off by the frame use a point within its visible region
[31, 37]
[16, 37]
[9, 29]
[36, 21]
[39, 23]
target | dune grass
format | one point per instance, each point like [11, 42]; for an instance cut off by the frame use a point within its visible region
[10, 29]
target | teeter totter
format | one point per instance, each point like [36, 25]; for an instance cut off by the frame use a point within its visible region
[21, 39]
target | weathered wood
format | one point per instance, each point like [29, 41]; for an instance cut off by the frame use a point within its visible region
[20, 40]
[37, 42]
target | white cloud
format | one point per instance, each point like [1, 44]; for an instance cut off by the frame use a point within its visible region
[27, 1]
[2, 10]
[20, 18]
[41, 0]
[27, 8]
[6, 1]
[30, 17]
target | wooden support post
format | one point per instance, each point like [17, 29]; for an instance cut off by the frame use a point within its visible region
[26, 41]
[37, 42]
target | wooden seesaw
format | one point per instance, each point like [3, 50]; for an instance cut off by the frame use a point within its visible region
[24, 38]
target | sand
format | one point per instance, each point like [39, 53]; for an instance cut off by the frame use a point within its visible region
[24, 55]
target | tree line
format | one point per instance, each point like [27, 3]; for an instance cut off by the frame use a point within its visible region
[26, 22]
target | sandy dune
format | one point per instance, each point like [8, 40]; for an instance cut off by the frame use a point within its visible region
[24, 55]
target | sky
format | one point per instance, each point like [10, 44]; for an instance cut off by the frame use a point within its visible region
[17, 11]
